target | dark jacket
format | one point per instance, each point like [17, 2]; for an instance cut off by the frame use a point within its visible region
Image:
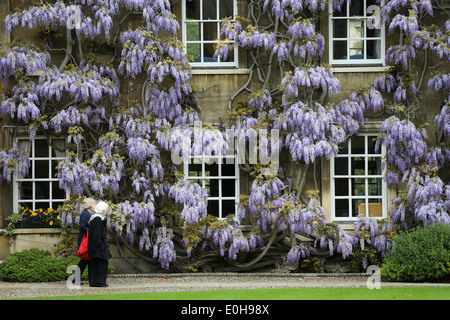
[98, 246]
[84, 225]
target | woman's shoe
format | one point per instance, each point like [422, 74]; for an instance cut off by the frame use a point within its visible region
[99, 285]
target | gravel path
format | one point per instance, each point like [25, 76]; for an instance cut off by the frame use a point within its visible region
[11, 290]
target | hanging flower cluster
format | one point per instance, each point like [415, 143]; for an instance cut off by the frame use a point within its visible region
[193, 197]
[373, 233]
[164, 248]
[13, 163]
[404, 143]
[227, 237]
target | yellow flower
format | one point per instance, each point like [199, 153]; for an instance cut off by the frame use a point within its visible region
[33, 214]
[51, 223]
[58, 217]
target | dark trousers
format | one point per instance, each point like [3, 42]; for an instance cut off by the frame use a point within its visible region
[82, 265]
[98, 271]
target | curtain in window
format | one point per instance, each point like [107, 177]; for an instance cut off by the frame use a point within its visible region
[24, 146]
[60, 144]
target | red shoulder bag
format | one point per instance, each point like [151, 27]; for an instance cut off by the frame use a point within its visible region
[83, 250]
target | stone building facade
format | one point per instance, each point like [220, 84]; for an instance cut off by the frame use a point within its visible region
[219, 81]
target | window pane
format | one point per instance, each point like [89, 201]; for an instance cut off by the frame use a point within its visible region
[356, 49]
[195, 170]
[358, 166]
[339, 50]
[228, 188]
[342, 12]
[357, 8]
[210, 31]
[374, 166]
[358, 145]
[42, 190]
[356, 28]
[358, 187]
[193, 49]
[25, 190]
[213, 188]
[358, 207]
[226, 9]
[371, 141]
[228, 169]
[211, 170]
[371, 31]
[54, 169]
[340, 166]
[375, 208]
[213, 207]
[41, 167]
[57, 193]
[192, 9]
[343, 148]
[208, 53]
[341, 208]
[42, 205]
[209, 10]
[341, 187]
[340, 28]
[30, 173]
[41, 148]
[373, 49]
[374, 185]
[228, 207]
[193, 31]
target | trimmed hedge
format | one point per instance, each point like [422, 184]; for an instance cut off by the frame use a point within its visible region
[422, 254]
[36, 265]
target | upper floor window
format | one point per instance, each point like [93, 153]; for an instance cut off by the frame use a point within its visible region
[357, 36]
[201, 31]
[40, 188]
[357, 184]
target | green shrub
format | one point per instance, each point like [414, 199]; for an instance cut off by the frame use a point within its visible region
[422, 254]
[36, 265]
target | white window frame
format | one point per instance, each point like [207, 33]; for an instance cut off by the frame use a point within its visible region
[366, 17]
[383, 197]
[218, 160]
[51, 179]
[218, 64]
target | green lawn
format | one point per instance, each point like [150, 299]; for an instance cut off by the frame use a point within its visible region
[386, 293]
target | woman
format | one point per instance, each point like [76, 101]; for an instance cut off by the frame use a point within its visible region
[98, 247]
[88, 206]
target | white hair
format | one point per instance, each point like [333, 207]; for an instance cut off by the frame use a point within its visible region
[101, 207]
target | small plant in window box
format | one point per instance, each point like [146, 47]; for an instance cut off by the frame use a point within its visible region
[39, 218]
